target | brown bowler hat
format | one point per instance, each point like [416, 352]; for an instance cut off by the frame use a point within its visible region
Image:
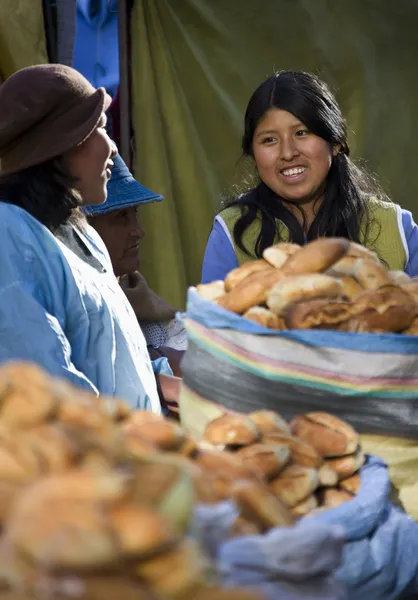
[45, 111]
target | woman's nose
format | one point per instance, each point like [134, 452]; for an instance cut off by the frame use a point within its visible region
[288, 149]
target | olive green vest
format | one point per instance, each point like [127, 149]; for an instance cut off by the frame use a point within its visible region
[383, 233]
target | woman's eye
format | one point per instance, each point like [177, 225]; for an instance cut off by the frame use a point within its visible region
[302, 132]
[268, 140]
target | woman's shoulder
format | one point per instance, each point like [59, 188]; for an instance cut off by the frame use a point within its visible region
[375, 202]
[18, 226]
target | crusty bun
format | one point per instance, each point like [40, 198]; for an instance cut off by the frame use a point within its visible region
[351, 484]
[264, 317]
[251, 291]
[259, 505]
[346, 466]
[359, 251]
[266, 460]
[332, 497]
[231, 430]
[301, 453]
[222, 469]
[370, 274]
[413, 328]
[387, 309]
[350, 288]
[344, 267]
[411, 287]
[295, 484]
[329, 435]
[211, 291]
[163, 434]
[268, 421]
[237, 276]
[301, 287]
[278, 254]
[305, 507]
[316, 257]
[328, 477]
[319, 313]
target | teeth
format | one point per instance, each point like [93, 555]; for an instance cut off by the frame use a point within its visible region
[295, 171]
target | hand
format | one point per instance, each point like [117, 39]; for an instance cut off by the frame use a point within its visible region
[170, 390]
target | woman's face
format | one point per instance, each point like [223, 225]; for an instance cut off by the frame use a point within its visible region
[290, 160]
[91, 163]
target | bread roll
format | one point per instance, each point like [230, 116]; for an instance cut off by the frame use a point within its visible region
[351, 484]
[328, 477]
[399, 277]
[237, 276]
[305, 507]
[344, 267]
[350, 288]
[302, 287]
[318, 314]
[211, 291]
[222, 469]
[231, 430]
[266, 460]
[268, 421]
[345, 466]
[412, 288]
[387, 309]
[329, 435]
[295, 484]
[413, 328]
[332, 497]
[370, 274]
[250, 292]
[278, 254]
[300, 453]
[359, 251]
[316, 257]
[264, 317]
[259, 505]
[163, 434]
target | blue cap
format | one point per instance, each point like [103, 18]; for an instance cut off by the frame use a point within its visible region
[123, 191]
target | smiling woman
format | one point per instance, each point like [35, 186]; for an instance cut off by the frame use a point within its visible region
[308, 187]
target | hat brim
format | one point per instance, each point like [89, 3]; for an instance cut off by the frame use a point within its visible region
[129, 193]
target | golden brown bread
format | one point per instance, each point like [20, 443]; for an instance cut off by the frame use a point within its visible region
[268, 421]
[278, 254]
[370, 274]
[231, 429]
[259, 505]
[412, 288]
[163, 434]
[399, 277]
[326, 433]
[221, 470]
[351, 484]
[264, 317]
[294, 484]
[316, 257]
[413, 328]
[211, 291]
[301, 453]
[328, 477]
[237, 276]
[350, 288]
[305, 507]
[359, 251]
[345, 466]
[387, 309]
[266, 460]
[333, 497]
[251, 291]
[318, 314]
[301, 287]
[344, 267]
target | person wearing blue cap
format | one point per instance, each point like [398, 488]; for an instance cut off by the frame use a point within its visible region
[117, 224]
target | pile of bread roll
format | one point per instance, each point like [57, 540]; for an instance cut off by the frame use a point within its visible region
[331, 283]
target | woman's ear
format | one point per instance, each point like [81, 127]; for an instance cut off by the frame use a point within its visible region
[336, 148]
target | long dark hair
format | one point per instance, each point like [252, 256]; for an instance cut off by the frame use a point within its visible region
[344, 208]
[46, 191]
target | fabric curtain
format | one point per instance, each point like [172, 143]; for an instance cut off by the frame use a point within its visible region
[22, 35]
[195, 64]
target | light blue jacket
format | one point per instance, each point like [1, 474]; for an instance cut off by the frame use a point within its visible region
[57, 310]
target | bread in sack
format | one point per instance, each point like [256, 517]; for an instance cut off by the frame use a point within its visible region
[318, 314]
[278, 254]
[301, 287]
[399, 277]
[268, 421]
[359, 251]
[259, 505]
[231, 430]
[305, 507]
[351, 484]
[266, 460]
[316, 257]
[370, 274]
[294, 484]
[211, 291]
[265, 318]
[251, 291]
[345, 466]
[237, 276]
[350, 288]
[332, 497]
[413, 328]
[329, 435]
[301, 453]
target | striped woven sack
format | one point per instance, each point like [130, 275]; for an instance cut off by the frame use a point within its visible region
[370, 380]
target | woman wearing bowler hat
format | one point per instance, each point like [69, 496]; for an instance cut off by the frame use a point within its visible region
[60, 303]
